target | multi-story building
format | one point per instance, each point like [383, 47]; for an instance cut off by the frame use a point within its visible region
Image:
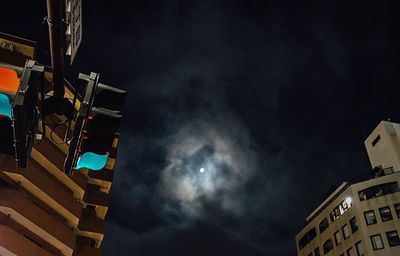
[43, 211]
[362, 216]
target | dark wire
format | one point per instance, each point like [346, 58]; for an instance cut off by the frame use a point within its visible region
[54, 125]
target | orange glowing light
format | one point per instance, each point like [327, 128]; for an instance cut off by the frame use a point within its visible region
[9, 81]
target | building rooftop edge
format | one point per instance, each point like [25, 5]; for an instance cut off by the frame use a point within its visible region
[328, 199]
[340, 190]
[18, 39]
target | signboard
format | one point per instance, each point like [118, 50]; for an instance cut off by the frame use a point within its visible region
[73, 9]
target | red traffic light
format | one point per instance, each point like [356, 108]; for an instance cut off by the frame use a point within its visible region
[9, 81]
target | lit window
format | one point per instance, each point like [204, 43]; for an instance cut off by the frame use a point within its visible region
[341, 208]
[393, 238]
[385, 213]
[353, 225]
[338, 238]
[328, 246]
[346, 232]
[323, 225]
[360, 249]
[347, 203]
[397, 208]
[370, 217]
[377, 242]
[350, 252]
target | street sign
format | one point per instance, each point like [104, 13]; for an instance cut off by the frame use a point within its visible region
[73, 9]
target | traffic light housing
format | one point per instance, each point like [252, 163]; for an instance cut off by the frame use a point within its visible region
[18, 112]
[96, 125]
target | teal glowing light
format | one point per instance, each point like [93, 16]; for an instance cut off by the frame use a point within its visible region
[5, 106]
[92, 161]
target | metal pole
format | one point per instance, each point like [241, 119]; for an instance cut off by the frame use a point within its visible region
[56, 36]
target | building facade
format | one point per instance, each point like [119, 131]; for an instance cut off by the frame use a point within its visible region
[362, 216]
[43, 211]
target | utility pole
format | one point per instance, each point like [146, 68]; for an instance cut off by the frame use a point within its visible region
[54, 189]
[56, 38]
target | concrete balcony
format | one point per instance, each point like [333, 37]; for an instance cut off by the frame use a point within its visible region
[84, 247]
[104, 174]
[46, 150]
[13, 243]
[89, 251]
[51, 151]
[48, 189]
[94, 196]
[23, 211]
[90, 222]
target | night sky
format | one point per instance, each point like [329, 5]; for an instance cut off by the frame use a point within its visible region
[272, 98]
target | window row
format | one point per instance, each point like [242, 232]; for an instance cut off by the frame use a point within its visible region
[335, 214]
[345, 231]
[340, 209]
[341, 235]
[307, 238]
[385, 213]
[392, 237]
[328, 246]
[323, 225]
[359, 251]
[379, 190]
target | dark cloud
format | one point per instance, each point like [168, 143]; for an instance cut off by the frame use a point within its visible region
[198, 238]
[276, 96]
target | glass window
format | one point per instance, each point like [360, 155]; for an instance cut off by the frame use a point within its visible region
[338, 238]
[350, 252]
[370, 217]
[340, 209]
[328, 246]
[376, 140]
[335, 214]
[377, 242]
[353, 225]
[307, 238]
[393, 238]
[346, 232]
[360, 249]
[323, 225]
[379, 190]
[397, 208]
[386, 214]
[316, 252]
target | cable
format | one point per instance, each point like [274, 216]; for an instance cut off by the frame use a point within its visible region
[54, 125]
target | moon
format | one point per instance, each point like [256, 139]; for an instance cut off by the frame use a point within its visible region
[202, 170]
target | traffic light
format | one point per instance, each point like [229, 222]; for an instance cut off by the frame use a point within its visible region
[18, 112]
[96, 126]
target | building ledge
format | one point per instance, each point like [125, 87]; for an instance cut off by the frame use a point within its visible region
[94, 196]
[19, 208]
[35, 180]
[13, 243]
[90, 222]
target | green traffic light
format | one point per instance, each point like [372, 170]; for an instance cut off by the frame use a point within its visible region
[5, 106]
[92, 161]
